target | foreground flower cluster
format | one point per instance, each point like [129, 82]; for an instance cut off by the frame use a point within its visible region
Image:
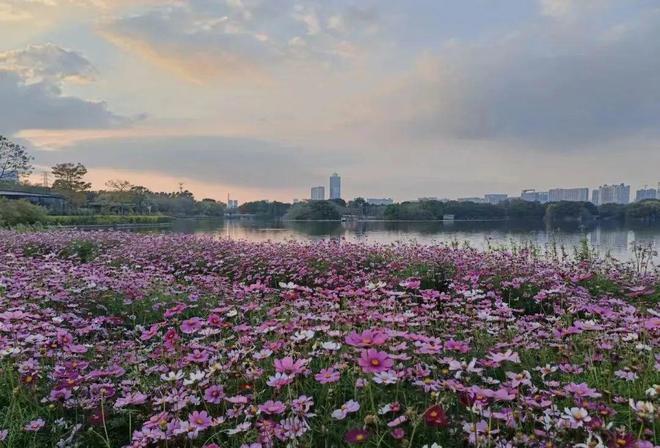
[114, 339]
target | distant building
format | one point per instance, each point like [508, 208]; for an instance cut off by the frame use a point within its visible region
[613, 194]
[9, 176]
[476, 200]
[568, 194]
[427, 198]
[532, 195]
[318, 193]
[232, 204]
[646, 193]
[335, 186]
[379, 201]
[595, 196]
[495, 198]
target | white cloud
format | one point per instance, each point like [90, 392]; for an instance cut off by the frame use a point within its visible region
[37, 63]
[31, 94]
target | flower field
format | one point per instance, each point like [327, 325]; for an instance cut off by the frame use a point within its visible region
[112, 339]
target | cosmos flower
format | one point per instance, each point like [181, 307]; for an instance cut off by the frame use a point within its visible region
[356, 436]
[374, 361]
[436, 416]
[347, 408]
[326, 376]
[199, 420]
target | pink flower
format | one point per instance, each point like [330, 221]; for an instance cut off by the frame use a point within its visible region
[192, 325]
[509, 355]
[327, 376]
[289, 366]
[347, 408]
[279, 380]
[398, 433]
[272, 407]
[367, 338]
[197, 356]
[35, 425]
[373, 361]
[199, 420]
[214, 394]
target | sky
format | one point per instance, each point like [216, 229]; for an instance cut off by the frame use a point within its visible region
[264, 99]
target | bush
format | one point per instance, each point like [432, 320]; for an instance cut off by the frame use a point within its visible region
[14, 213]
[315, 210]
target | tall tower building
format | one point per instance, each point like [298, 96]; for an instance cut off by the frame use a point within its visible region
[318, 193]
[335, 186]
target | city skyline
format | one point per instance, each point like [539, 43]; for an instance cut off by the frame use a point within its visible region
[405, 99]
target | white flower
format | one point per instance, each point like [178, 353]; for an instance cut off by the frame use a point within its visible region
[194, 377]
[172, 376]
[303, 335]
[240, 428]
[331, 346]
[652, 391]
[388, 377]
[434, 445]
[643, 409]
[289, 285]
[231, 313]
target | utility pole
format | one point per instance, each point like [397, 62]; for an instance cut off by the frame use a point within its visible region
[180, 187]
[44, 179]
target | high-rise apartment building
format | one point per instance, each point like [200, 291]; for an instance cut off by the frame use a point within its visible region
[318, 193]
[568, 194]
[335, 186]
[532, 195]
[646, 193]
[612, 194]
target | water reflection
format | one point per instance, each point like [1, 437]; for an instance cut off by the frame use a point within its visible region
[613, 239]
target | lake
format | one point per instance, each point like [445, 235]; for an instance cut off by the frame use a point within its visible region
[616, 240]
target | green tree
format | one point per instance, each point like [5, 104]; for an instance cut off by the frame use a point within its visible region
[69, 182]
[13, 159]
[69, 177]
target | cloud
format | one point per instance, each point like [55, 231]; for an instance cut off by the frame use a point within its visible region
[247, 40]
[31, 91]
[49, 62]
[212, 159]
[560, 86]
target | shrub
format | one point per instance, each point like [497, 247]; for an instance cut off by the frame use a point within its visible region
[13, 213]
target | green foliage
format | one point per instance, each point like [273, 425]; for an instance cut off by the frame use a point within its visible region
[568, 211]
[647, 210]
[315, 210]
[13, 158]
[265, 209]
[14, 212]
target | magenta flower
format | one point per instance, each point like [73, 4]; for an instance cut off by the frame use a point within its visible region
[326, 376]
[199, 420]
[356, 436]
[272, 407]
[367, 338]
[214, 394]
[373, 361]
[192, 325]
[289, 366]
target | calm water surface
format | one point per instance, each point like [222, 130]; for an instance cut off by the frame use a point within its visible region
[613, 239]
